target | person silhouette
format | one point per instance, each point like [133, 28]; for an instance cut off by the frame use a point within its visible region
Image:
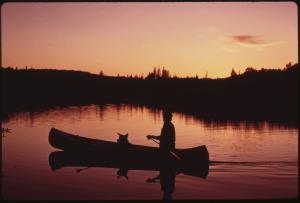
[167, 135]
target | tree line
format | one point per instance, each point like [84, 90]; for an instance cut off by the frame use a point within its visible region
[158, 73]
[265, 94]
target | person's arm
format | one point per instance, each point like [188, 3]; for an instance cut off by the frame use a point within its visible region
[156, 137]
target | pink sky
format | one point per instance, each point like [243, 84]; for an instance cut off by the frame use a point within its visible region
[132, 38]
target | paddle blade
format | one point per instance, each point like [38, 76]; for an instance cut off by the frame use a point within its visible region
[176, 156]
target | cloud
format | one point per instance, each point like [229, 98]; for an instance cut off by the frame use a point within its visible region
[247, 39]
[237, 43]
[253, 41]
[271, 44]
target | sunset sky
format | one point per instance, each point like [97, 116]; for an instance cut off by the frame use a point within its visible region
[132, 38]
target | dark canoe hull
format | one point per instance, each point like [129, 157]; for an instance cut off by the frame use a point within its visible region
[81, 151]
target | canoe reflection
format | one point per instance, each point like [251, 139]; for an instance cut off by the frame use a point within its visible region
[167, 170]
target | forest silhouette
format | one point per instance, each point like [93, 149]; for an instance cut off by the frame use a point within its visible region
[255, 95]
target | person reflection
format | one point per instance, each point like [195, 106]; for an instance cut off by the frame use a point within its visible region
[122, 172]
[166, 178]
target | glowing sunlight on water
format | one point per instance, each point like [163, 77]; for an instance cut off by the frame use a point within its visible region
[248, 160]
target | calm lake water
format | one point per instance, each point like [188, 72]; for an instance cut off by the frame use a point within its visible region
[249, 160]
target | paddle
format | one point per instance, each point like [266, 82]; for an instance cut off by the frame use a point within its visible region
[153, 180]
[175, 155]
[79, 170]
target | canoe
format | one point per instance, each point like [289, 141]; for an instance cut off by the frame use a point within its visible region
[83, 151]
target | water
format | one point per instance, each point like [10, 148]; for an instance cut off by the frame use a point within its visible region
[249, 160]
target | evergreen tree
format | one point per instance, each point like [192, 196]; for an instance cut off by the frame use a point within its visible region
[233, 73]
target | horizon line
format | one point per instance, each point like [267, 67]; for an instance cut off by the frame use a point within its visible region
[139, 75]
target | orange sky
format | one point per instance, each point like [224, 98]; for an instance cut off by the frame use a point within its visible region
[132, 38]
